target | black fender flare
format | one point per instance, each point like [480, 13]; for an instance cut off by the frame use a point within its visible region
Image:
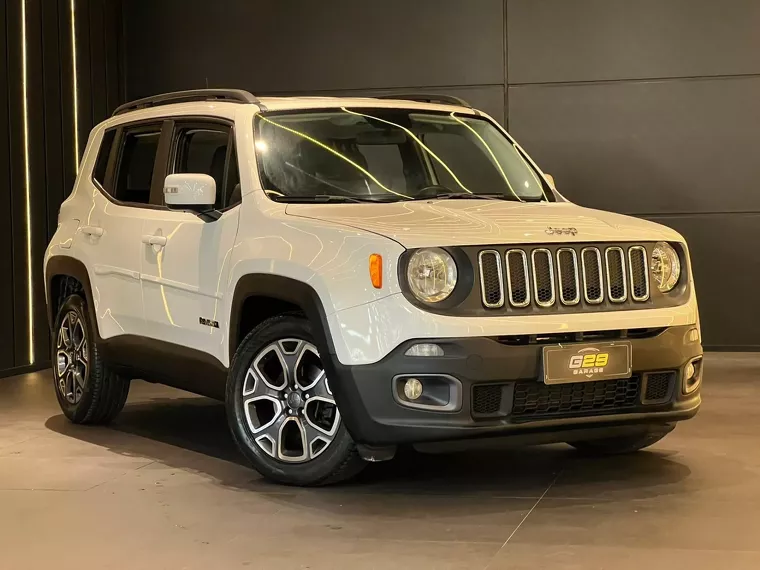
[283, 289]
[64, 265]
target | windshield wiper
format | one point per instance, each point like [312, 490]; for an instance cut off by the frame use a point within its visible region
[322, 199]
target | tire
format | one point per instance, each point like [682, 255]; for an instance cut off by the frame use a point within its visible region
[87, 391]
[281, 411]
[617, 445]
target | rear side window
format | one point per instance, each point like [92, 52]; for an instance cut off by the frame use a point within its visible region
[135, 171]
[101, 164]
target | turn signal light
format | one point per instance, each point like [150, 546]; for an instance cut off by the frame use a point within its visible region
[376, 270]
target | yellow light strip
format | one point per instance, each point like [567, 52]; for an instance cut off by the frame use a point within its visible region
[75, 84]
[27, 186]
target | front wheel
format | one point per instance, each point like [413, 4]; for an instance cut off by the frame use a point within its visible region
[617, 445]
[281, 409]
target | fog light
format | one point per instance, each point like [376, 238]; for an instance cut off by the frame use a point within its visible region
[692, 376]
[425, 349]
[412, 389]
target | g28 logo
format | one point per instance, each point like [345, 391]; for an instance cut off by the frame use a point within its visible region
[589, 364]
[589, 360]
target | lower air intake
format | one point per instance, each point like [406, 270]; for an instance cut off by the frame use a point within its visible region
[537, 400]
[658, 387]
[486, 400]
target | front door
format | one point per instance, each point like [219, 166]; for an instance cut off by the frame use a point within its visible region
[184, 271]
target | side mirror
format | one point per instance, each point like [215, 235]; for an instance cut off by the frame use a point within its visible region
[194, 192]
[550, 179]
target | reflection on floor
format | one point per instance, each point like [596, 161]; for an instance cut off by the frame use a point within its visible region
[164, 487]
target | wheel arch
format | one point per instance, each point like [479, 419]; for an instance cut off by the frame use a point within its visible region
[290, 293]
[62, 266]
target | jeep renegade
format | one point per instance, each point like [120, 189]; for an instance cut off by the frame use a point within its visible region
[354, 274]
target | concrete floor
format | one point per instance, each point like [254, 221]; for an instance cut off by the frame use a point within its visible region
[164, 487]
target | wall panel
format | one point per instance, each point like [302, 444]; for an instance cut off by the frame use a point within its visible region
[9, 339]
[37, 120]
[303, 45]
[646, 147]
[593, 40]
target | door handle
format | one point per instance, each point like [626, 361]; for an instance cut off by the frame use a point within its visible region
[156, 242]
[92, 231]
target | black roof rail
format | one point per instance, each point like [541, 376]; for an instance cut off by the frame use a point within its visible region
[232, 95]
[427, 98]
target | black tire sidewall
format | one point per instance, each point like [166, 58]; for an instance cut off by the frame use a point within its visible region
[309, 473]
[75, 412]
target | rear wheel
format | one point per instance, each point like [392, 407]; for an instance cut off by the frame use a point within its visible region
[281, 408]
[617, 445]
[87, 391]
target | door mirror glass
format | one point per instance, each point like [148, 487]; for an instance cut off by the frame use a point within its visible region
[550, 179]
[195, 192]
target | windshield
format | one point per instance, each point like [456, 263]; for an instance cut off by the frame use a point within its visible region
[389, 155]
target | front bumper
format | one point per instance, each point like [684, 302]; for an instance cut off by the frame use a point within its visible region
[367, 395]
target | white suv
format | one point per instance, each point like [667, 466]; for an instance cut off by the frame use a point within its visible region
[354, 274]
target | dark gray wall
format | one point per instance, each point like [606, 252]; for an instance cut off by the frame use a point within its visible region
[51, 154]
[649, 108]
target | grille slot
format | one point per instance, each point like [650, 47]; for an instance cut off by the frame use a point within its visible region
[535, 400]
[639, 273]
[617, 291]
[491, 279]
[658, 387]
[593, 291]
[543, 277]
[517, 278]
[567, 268]
[486, 399]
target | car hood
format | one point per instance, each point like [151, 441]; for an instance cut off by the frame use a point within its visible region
[482, 222]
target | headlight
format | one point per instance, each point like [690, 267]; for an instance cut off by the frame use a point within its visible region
[431, 274]
[666, 266]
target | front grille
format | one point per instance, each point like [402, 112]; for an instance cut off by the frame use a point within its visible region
[543, 277]
[491, 279]
[517, 278]
[615, 265]
[658, 387]
[564, 277]
[537, 400]
[567, 269]
[486, 399]
[592, 275]
[639, 272]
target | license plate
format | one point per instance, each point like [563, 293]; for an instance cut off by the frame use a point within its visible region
[587, 362]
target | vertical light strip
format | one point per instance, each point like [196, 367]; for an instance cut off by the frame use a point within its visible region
[75, 84]
[27, 185]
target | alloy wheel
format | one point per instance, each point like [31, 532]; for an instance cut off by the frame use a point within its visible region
[288, 403]
[71, 358]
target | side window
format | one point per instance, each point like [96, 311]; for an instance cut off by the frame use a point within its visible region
[101, 164]
[206, 150]
[136, 162]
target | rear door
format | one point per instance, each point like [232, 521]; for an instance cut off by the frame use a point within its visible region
[184, 279]
[109, 238]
